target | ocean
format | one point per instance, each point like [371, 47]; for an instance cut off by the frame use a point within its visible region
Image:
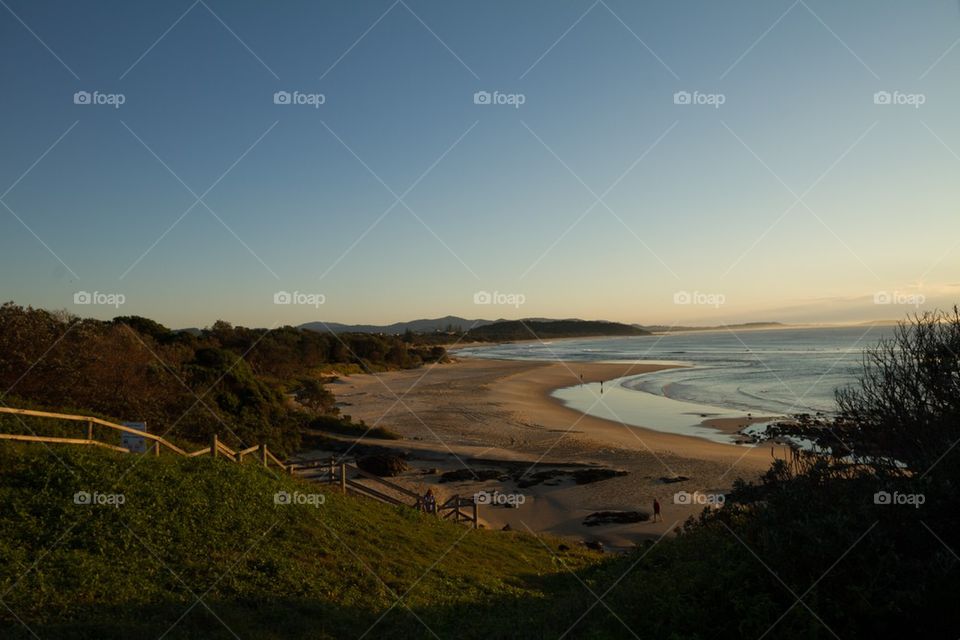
[725, 373]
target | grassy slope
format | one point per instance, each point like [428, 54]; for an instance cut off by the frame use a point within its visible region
[198, 527]
[195, 527]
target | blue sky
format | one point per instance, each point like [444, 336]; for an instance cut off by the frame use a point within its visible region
[799, 198]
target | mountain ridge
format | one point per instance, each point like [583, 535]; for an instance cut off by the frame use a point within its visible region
[421, 325]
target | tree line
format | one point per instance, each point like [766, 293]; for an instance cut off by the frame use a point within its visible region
[247, 385]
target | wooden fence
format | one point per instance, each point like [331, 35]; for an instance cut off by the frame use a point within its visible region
[453, 508]
[216, 449]
[339, 472]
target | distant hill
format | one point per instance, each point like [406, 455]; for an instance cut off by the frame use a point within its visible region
[418, 326]
[533, 329]
[662, 328]
[480, 329]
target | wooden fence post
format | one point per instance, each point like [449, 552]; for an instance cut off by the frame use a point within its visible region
[213, 445]
[343, 478]
[156, 449]
[89, 429]
[263, 453]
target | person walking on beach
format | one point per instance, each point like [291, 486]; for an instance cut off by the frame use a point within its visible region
[656, 510]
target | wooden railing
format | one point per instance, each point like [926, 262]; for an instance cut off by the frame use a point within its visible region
[339, 472]
[332, 471]
[452, 508]
[216, 449]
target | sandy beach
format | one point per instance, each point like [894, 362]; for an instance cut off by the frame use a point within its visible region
[481, 414]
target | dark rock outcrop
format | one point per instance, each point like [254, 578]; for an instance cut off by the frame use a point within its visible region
[615, 517]
[472, 474]
[586, 476]
[385, 465]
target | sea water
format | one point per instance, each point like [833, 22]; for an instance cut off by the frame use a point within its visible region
[724, 373]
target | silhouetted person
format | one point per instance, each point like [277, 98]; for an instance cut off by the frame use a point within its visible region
[430, 502]
[656, 510]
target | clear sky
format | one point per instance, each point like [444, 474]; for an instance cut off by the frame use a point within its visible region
[799, 198]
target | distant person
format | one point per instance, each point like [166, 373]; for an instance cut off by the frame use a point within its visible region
[656, 510]
[429, 502]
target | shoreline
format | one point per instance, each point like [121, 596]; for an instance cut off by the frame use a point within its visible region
[456, 346]
[476, 413]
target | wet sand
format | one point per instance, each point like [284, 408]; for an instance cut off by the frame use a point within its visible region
[487, 414]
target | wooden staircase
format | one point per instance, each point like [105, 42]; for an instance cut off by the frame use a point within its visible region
[352, 479]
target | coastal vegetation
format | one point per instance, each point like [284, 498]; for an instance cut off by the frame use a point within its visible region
[859, 541]
[201, 548]
[550, 329]
[247, 385]
[450, 329]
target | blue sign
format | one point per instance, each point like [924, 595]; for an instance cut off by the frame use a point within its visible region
[132, 442]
